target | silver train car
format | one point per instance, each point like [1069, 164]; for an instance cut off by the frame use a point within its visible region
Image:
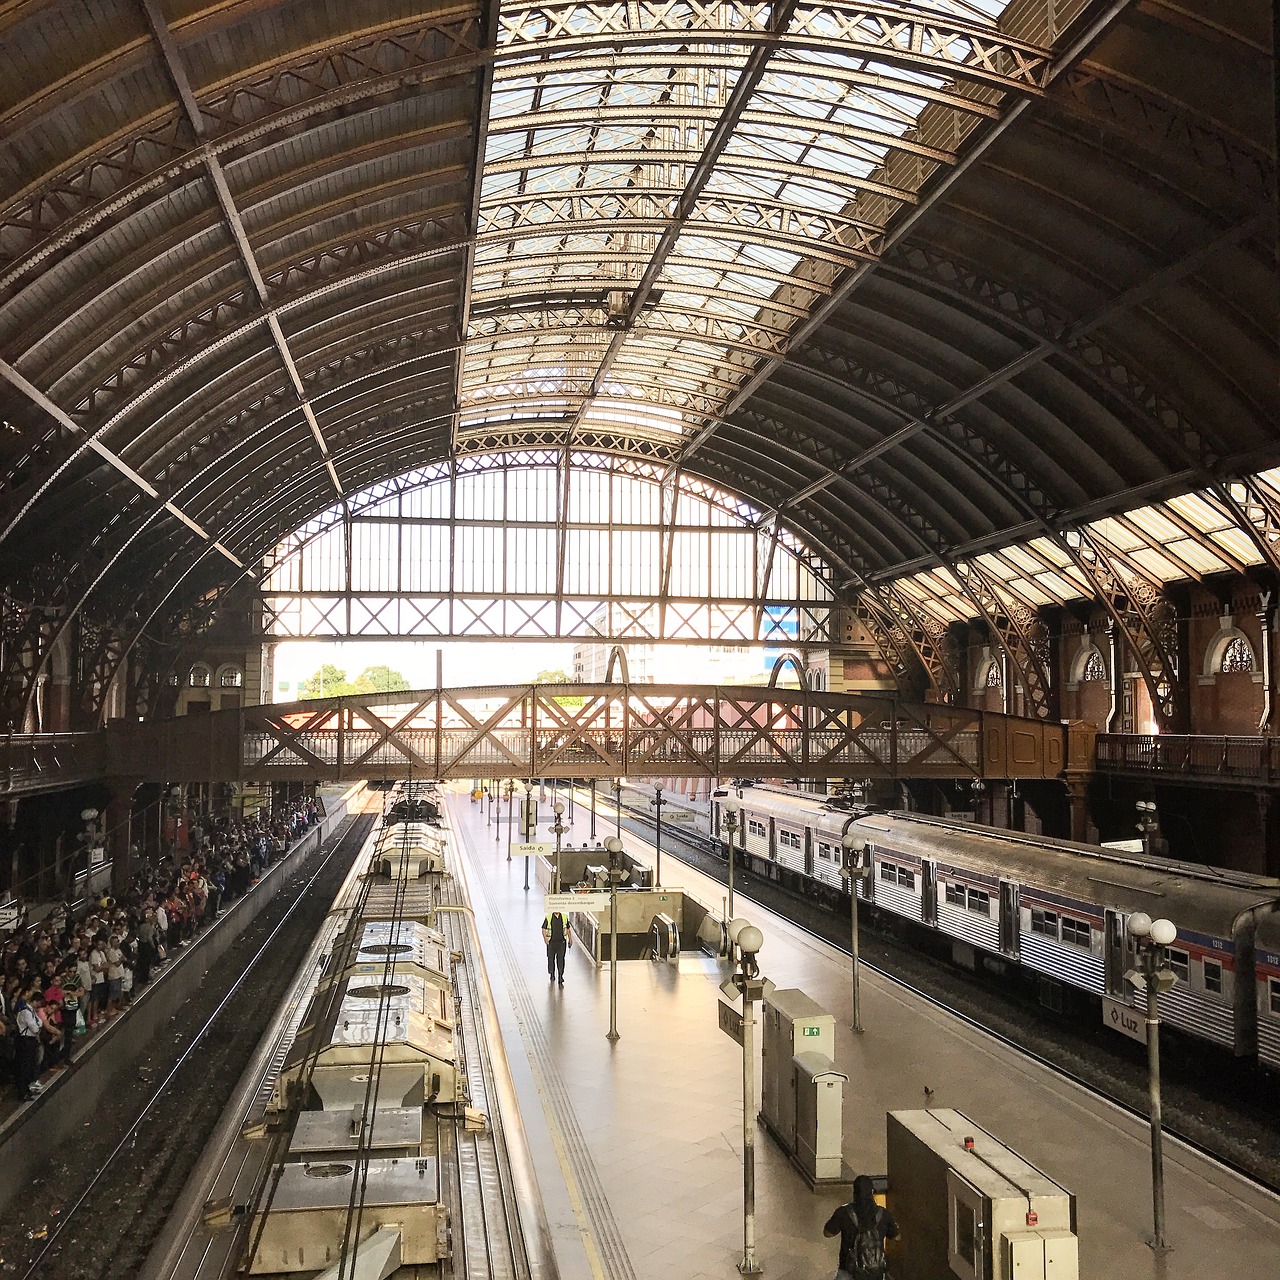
[375, 1063]
[1267, 973]
[1056, 909]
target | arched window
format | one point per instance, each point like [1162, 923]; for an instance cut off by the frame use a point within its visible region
[1095, 669]
[201, 676]
[1237, 656]
[994, 680]
[231, 678]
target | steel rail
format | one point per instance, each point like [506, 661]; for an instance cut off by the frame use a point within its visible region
[640, 817]
[198, 1039]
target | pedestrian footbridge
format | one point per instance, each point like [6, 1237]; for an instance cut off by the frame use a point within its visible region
[557, 730]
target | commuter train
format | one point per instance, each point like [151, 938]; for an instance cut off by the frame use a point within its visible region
[1053, 908]
[371, 1095]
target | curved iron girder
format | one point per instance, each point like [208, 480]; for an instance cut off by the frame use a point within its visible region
[168, 362]
[1089, 92]
[1010, 619]
[1015, 635]
[275, 96]
[1143, 615]
[915, 41]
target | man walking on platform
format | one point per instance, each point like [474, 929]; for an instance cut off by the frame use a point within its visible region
[559, 938]
[863, 1226]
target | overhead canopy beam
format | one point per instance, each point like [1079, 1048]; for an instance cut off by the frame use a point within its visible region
[235, 224]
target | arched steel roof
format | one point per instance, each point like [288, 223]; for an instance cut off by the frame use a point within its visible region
[924, 280]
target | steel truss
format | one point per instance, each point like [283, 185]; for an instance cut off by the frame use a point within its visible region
[600, 731]
[694, 194]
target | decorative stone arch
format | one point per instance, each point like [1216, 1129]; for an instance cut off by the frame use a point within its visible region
[618, 656]
[789, 657]
[234, 669]
[1082, 662]
[1228, 635]
[988, 673]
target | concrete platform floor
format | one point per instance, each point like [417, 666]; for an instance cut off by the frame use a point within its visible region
[638, 1144]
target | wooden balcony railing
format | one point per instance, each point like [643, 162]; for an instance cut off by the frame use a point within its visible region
[1235, 761]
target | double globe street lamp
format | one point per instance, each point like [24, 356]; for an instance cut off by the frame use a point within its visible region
[1153, 975]
[748, 982]
[855, 870]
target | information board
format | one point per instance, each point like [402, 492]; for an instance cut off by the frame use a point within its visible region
[595, 900]
[730, 1021]
[1125, 1019]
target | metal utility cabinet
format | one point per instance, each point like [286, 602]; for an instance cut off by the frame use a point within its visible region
[802, 1094]
[968, 1206]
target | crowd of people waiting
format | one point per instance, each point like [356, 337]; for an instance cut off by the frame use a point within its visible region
[76, 969]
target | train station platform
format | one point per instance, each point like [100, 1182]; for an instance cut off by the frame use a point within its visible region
[637, 1145]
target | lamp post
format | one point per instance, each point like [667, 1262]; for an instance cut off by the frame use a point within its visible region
[528, 815]
[511, 790]
[617, 807]
[558, 828]
[1151, 937]
[749, 982]
[657, 803]
[88, 840]
[979, 788]
[731, 806]
[1148, 824]
[593, 808]
[614, 847]
[856, 871]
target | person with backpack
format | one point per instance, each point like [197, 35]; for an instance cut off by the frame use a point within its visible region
[863, 1227]
[559, 938]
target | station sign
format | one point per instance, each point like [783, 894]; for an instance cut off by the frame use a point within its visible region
[1125, 1019]
[730, 1021]
[9, 913]
[593, 900]
[532, 849]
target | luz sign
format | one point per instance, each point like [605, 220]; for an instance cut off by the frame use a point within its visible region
[1124, 1019]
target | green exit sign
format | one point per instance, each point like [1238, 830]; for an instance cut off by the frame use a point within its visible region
[812, 1031]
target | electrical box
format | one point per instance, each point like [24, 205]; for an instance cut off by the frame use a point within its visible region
[793, 1023]
[968, 1206]
[819, 1136]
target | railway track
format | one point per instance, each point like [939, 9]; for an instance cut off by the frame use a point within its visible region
[1202, 1108]
[469, 1166]
[153, 1126]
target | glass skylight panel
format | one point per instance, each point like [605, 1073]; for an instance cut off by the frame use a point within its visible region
[1237, 543]
[600, 113]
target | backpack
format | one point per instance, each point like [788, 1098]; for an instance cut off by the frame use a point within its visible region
[867, 1254]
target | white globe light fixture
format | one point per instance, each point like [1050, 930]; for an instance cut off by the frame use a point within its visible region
[1163, 932]
[750, 939]
[1140, 924]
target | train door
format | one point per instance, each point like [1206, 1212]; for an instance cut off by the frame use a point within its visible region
[1009, 917]
[928, 891]
[1115, 957]
[808, 852]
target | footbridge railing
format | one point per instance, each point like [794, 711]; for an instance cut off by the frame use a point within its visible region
[585, 731]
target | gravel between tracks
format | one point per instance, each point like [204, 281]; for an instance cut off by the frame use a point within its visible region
[111, 1233]
[1227, 1106]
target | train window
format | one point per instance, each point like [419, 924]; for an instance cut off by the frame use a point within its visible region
[1045, 922]
[955, 895]
[979, 900]
[1180, 963]
[789, 840]
[1273, 994]
[888, 872]
[906, 877]
[1077, 932]
[1213, 977]
[826, 852]
[755, 828]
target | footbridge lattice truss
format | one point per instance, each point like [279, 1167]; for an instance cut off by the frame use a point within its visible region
[563, 731]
